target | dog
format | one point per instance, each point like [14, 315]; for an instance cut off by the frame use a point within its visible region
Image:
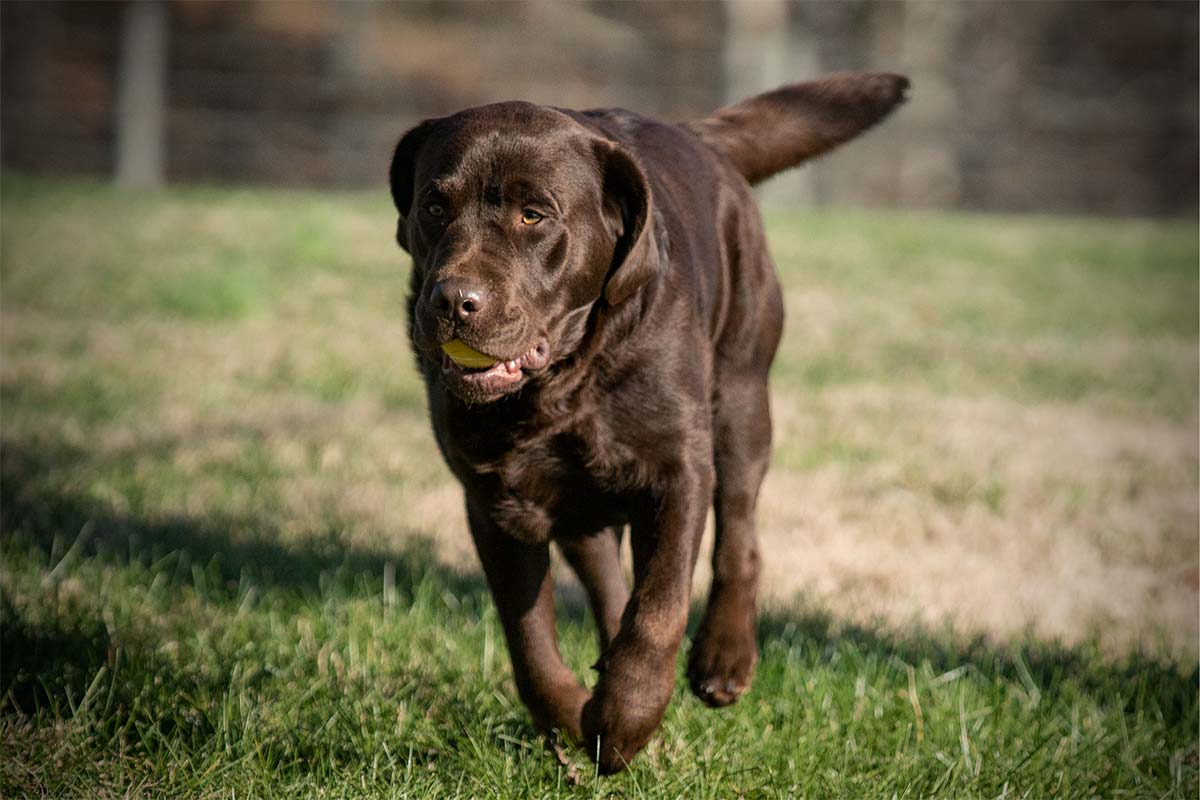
[593, 309]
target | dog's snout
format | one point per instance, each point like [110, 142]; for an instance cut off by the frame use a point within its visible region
[454, 298]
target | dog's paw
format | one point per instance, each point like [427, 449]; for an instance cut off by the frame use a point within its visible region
[721, 665]
[615, 731]
[626, 708]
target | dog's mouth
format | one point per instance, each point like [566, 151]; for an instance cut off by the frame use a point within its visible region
[478, 376]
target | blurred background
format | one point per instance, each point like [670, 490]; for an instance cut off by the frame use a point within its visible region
[1083, 107]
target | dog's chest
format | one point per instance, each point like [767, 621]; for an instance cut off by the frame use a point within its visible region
[556, 486]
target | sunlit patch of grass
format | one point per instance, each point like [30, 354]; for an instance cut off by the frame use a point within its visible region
[87, 395]
[823, 450]
[209, 294]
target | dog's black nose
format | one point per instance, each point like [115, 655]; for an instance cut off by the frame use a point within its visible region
[454, 297]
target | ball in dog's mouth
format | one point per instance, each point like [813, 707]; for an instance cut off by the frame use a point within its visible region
[480, 373]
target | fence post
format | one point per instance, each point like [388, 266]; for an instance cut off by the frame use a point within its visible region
[764, 50]
[141, 95]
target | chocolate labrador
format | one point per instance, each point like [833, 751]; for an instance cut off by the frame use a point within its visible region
[594, 311]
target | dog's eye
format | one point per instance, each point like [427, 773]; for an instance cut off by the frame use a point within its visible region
[530, 217]
[435, 210]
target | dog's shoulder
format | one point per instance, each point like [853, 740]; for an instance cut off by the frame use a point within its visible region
[644, 136]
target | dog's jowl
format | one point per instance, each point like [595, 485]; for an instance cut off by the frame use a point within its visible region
[594, 311]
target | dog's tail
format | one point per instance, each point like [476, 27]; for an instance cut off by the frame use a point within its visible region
[777, 130]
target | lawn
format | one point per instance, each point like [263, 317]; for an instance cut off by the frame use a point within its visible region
[232, 563]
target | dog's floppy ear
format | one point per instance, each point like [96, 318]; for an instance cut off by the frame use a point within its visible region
[401, 175]
[629, 213]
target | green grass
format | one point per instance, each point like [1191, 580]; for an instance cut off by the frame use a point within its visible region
[934, 315]
[232, 563]
[202, 659]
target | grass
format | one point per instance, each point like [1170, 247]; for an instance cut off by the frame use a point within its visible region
[232, 564]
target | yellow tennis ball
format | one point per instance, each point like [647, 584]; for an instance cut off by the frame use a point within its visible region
[466, 356]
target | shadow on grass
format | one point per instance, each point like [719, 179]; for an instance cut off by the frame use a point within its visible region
[1041, 666]
[36, 661]
[230, 548]
[229, 553]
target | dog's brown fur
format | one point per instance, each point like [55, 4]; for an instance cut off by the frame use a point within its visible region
[640, 311]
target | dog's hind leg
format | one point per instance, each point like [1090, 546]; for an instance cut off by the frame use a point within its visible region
[596, 559]
[725, 648]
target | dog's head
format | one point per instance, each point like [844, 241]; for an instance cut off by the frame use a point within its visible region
[518, 219]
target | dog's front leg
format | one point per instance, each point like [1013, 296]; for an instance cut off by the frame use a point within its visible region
[638, 669]
[519, 576]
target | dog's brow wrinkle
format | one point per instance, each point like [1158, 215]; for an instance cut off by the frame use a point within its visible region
[443, 185]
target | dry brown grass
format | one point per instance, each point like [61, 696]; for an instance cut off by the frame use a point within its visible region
[994, 515]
